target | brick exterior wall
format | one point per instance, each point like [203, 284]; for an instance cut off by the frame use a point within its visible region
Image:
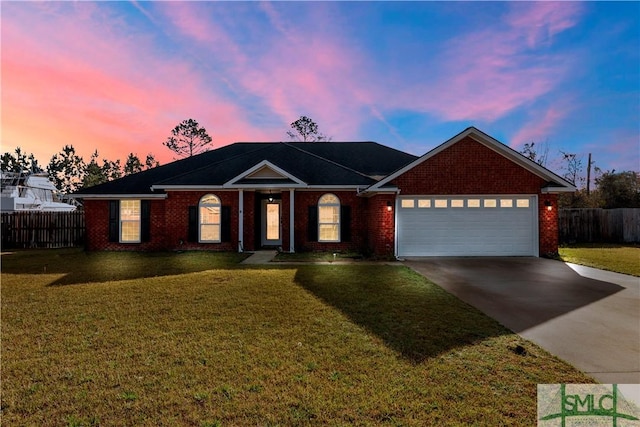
[469, 167]
[381, 225]
[358, 240]
[465, 168]
[177, 220]
[97, 228]
[548, 225]
[170, 223]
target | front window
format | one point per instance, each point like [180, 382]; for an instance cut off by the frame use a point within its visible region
[130, 221]
[210, 219]
[329, 218]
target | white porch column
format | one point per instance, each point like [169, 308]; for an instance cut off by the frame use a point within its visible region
[240, 220]
[292, 221]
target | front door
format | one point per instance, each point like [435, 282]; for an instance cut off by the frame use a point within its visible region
[271, 223]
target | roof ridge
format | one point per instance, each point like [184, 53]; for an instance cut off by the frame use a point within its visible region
[266, 145]
[329, 160]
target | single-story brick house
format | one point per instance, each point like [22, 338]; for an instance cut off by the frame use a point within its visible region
[470, 196]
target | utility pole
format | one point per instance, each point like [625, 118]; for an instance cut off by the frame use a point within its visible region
[588, 174]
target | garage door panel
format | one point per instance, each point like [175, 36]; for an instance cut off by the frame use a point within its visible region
[468, 231]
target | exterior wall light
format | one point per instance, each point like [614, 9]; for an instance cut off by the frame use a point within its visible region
[547, 203]
[388, 206]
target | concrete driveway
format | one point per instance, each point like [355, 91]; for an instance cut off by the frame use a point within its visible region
[588, 317]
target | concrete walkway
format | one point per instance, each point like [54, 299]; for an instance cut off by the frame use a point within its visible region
[260, 257]
[586, 316]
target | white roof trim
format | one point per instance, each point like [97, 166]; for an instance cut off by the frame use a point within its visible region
[260, 187]
[117, 196]
[492, 144]
[265, 163]
[552, 189]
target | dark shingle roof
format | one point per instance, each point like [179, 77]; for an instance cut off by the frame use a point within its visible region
[332, 163]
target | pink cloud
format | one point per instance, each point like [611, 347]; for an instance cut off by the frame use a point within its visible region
[291, 72]
[541, 21]
[541, 126]
[78, 78]
[486, 75]
[619, 150]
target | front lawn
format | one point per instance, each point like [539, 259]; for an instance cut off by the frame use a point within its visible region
[160, 339]
[318, 257]
[613, 257]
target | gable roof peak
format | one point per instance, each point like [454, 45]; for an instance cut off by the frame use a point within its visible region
[560, 184]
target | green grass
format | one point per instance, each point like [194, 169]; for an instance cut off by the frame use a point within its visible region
[619, 258]
[161, 339]
[317, 257]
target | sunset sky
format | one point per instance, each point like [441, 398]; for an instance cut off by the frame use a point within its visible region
[118, 76]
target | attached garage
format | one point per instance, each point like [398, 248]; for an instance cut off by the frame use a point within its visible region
[488, 225]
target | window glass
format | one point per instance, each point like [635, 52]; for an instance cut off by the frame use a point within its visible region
[506, 203]
[209, 233]
[424, 203]
[130, 221]
[210, 219]
[408, 203]
[473, 203]
[329, 218]
[490, 203]
[328, 233]
[440, 203]
[522, 203]
[457, 203]
[329, 199]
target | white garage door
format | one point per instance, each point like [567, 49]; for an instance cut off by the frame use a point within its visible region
[467, 226]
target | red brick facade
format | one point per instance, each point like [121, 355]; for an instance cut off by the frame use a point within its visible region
[170, 223]
[469, 167]
[465, 168]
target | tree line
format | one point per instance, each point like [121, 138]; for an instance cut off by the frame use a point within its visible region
[70, 172]
[612, 189]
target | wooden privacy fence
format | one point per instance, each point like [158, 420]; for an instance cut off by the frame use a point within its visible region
[42, 229]
[599, 225]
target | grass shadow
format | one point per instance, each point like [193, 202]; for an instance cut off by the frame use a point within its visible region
[78, 266]
[412, 316]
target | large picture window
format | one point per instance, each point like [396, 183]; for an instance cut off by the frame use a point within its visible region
[329, 218]
[210, 217]
[130, 221]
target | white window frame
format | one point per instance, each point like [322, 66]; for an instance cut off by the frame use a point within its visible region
[331, 204]
[205, 203]
[125, 205]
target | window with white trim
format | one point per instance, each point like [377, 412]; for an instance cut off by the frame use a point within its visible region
[210, 219]
[130, 221]
[329, 218]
